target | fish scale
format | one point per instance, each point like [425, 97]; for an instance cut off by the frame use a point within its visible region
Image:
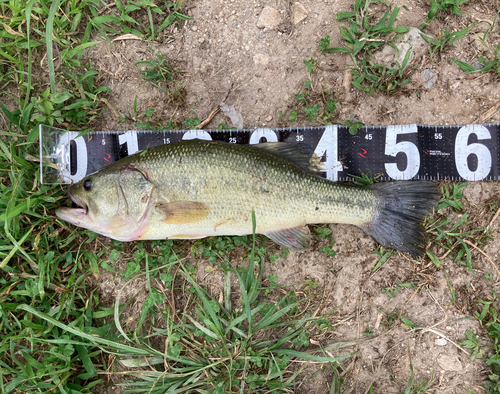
[195, 188]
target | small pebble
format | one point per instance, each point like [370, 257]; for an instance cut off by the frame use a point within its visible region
[429, 76]
[262, 35]
[478, 65]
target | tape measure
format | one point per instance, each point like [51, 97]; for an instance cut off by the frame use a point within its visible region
[458, 153]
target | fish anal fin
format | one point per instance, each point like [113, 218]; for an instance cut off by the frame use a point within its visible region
[181, 212]
[296, 153]
[296, 238]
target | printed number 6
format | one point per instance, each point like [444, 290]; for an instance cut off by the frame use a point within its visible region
[392, 148]
[463, 150]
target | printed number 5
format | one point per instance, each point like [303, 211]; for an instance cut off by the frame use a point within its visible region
[392, 148]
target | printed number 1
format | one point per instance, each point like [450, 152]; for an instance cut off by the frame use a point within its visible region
[130, 138]
[392, 148]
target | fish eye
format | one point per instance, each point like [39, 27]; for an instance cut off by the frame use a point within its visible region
[87, 185]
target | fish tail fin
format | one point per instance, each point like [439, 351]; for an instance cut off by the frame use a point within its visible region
[403, 206]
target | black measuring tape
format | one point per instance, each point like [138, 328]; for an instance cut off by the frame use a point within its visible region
[401, 152]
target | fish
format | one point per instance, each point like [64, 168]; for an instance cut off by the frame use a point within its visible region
[196, 188]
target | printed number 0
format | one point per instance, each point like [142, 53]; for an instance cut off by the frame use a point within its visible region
[392, 148]
[463, 150]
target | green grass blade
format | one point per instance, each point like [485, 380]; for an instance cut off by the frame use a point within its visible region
[27, 13]
[309, 357]
[91, 338]
[49, 41]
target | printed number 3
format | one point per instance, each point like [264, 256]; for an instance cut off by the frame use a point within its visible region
[392, 148]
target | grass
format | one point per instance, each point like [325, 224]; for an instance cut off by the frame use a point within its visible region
[161, 74]
[455, 237]
[364, 34]
[313, 105]
[444, 6]
[485, 64]
[487, 315]
[445, 40]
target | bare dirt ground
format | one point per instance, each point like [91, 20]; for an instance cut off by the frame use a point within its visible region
[223, 50]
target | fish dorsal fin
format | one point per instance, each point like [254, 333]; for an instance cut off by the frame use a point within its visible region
[181, 212]
[296, 153]
[296, 238]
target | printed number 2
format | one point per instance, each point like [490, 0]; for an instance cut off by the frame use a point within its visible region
[463, 150]
[392, 148]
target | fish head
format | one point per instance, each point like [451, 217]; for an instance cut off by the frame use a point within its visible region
[113, 203]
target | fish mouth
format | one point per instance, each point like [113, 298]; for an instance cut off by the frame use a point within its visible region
[74, 215]
[84, 208]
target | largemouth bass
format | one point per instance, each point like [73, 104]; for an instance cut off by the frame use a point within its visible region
[194, 189]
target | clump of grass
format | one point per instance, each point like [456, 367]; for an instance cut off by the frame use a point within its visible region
[488, 317]
[489, 63]
[445, 40]
[444, 6]
[364, 35]
[456, 238]
[213, 345]
[161, 74]
[312, 105]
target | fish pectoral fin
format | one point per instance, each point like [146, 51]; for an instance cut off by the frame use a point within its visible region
[181, 212]
[296, 238]
[187, 236]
